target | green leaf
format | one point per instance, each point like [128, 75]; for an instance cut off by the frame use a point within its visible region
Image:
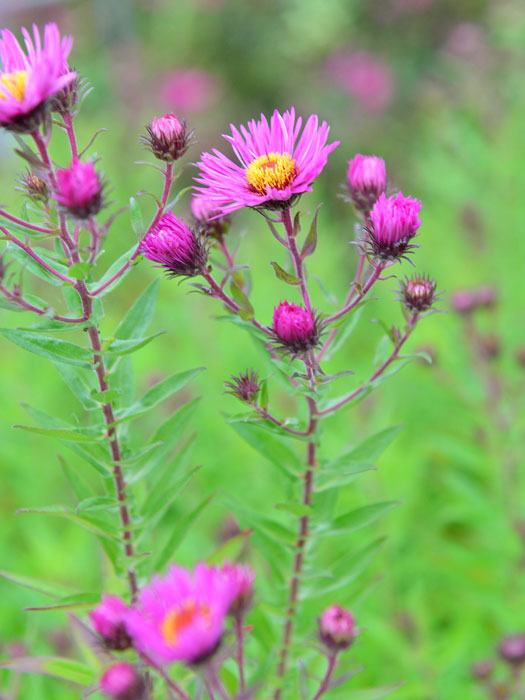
[371, 448]
[126, 347]
[328, 479]
[310, 242]
[295, 509]
[60, 433]
[75, 380]
[107, 396]
[372, 693]
[283, 275]
[360, 517]
[80, 270]
[231, 549]
[34, 267]
[98, 527]
[346, 327]
[137, 222]
[158, 393]
[52, 348]
[179, 533]
[274, 448]
[136, 321]
[71, 602]
[65, 669]
[53, 590]
[246, 311]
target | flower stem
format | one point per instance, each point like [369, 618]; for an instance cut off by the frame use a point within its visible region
[325, 684]
[239, 635]
[297, 260]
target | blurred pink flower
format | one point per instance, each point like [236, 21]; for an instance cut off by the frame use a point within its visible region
[465, 39]
[364, 77]
[189, 90]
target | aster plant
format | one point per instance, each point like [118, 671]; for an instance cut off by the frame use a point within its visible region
[217, 630]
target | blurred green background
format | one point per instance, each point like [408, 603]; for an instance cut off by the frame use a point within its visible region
[435, 87]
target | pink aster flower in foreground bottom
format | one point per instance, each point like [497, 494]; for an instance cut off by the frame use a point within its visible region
[79, 190]
[366, 180]
[108, 621]
[180, 617]
[337, 628]
[275, 163]
[295, 328]
[173, 245]
[122, 682]
[28, 79]
[394, 223]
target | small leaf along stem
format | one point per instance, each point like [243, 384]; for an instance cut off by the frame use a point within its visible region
[402, 340]
[325, 683]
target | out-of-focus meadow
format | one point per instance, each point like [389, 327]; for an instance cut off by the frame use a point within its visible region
[437, 88]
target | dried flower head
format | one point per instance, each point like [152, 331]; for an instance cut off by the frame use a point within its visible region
[394, 222]
[180, 617]
[108, 620]
[337, 628]
[79, 190]
[28, 80]
[245, 387]
[295, 329]
[122, 682]
[167, 137]
[34, 187]
[276, 165]
[418, 293]
[174, 246]
[366, 180]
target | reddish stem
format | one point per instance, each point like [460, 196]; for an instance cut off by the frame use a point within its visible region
[366, 288]
[26, 224]
[297, 260]
[325, 684]
[26, 305]
[239, 635]
[35, 256]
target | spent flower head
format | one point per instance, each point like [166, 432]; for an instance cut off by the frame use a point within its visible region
[337, 628]
[275, 164]
[28, 79]
[108, 621]
[168, 138]
[122, 682]
[394, 222]
[366, 180]
[79, 190]
[34, 187]
[174, 246]
[245, 387]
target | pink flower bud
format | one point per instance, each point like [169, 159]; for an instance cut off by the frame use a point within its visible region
[241, 579]
[167, 138]
[175, 247]
[394, 223]
[245, 387]
[512, 649]
[418, 293]
[122, 682]
[294, 327]
[366, 180]
[79, 190]
[108, 621]
[337, 628]
[206, 217]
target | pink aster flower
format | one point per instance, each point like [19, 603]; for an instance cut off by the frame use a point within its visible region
[337, 628]
[122, 682]
[241, 579]
[295, 328]
[180, 617]
[275, 163]
[79, 190]
[108, 621]
[28, 79]
[364, 76]
[366, 180]
[394, 222]
[173, 245]
[189, 89]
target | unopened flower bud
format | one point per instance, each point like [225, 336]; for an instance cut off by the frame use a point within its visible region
[34, 187]
[490, 346]
[79, 190]
[295, 329]
[482, 670]
[512, 649]
[241, 579]
[463, 301]
[245, 387]
[108, 621]
[205, 217]
[394, 222]
[174, 246]
[167, 137]
[337, 628]
[123, 682]
[366, 180]
[418, 293]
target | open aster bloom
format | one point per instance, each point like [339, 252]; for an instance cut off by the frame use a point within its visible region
[276, 164]
[180, 617]
[28, 79]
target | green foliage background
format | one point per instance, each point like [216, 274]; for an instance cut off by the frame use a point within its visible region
[448, 580]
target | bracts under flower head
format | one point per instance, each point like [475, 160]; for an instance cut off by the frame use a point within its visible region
[168, 138]
[418, 293]
[245, 387]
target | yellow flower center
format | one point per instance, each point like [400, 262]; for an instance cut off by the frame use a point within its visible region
[14, 83]
[273, 170]
[177, 620]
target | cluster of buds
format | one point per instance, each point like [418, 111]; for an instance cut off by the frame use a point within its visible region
[168, 138]
[366, 181]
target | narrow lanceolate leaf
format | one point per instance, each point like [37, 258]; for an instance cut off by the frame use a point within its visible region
[367, 451]
[115, 267]
[137, 222]
[297, 509]
[283, 275]
[372, 693]
[329, 479]
[158, 393]
[75, 380]
[100, 528]
[34, 267]
[178, 534]
[273, 447]
[231, 549]
[136, 321]
[60, 433]
[360, 517]
[65, 669]
[246, 309]
[310, 242]
[52, 348]
[80, 271]
[126, 347]
[71, 602]
[53, 590]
